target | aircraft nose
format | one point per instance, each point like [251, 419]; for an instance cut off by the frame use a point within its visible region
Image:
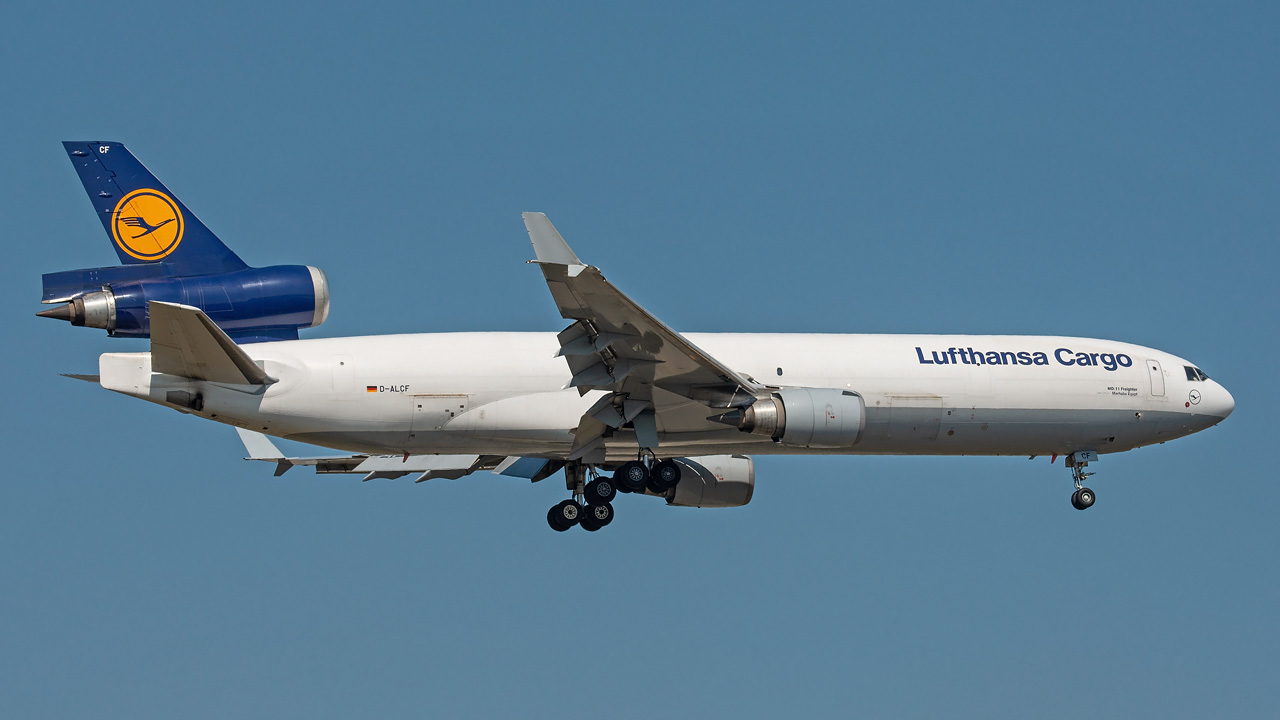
[1228, 402]
[1220, 403]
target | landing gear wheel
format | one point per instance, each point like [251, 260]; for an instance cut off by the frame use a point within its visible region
[595, 517]
[665, 475]
[1083, 499]
[600, 491]
[634, 476]
[551, 520]
[564, 515]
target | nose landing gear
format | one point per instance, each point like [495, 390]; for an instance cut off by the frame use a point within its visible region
[1083, 497]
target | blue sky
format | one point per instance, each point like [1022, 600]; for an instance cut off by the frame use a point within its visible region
[1095, 169]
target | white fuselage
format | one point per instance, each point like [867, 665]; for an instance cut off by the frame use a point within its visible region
[504, 394]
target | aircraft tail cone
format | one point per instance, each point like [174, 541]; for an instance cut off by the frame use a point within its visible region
[62, 312]
[733, 417]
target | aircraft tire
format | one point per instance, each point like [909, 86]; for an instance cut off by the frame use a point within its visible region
[633, 475]
[600, 490]
[598, 515]
[566, 513]
[666, 475]
[551, 520]
[1084, 499]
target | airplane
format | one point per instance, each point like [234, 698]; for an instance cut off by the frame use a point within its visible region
[618, 401]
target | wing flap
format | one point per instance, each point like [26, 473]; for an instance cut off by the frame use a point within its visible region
[614, 344]
[429, 467]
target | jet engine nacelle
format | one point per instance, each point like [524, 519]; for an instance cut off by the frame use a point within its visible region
[714, 481]
[275, 300]
[808, 417]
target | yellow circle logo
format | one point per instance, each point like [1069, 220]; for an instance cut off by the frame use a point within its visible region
[147, 224]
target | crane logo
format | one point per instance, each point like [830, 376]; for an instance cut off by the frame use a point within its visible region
[147, 224]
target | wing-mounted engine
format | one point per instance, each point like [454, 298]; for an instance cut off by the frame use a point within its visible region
[805, 417]
[714, 481]
[270, 302]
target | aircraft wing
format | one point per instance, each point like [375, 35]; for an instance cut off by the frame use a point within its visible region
[654, 375]
[428, 467]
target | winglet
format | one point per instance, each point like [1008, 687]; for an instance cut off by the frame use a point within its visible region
[550, 248]
[186, 343]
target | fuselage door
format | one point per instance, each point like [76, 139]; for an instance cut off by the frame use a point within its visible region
[432, 412]
[1157, 378]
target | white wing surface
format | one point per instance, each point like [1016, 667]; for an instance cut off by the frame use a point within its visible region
[428, 467]
[656, 378]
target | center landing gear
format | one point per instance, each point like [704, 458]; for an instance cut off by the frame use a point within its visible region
[1083, 497]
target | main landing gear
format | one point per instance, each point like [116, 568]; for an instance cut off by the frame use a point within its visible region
[592, 504]
[1083, 497]
[568, 513]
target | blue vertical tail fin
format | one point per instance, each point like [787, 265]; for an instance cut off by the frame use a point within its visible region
[145, 222]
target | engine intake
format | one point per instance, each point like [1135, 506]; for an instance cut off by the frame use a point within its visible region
[714, 481]
[807, 417]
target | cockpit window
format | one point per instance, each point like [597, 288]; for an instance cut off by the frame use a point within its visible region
[1195, 374]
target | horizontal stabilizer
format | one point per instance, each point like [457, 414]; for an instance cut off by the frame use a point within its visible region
[186, 343]
[95, 379]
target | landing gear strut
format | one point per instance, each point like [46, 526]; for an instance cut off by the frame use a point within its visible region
[1083, 497]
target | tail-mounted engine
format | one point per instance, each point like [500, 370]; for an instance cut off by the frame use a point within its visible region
[270, 302]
